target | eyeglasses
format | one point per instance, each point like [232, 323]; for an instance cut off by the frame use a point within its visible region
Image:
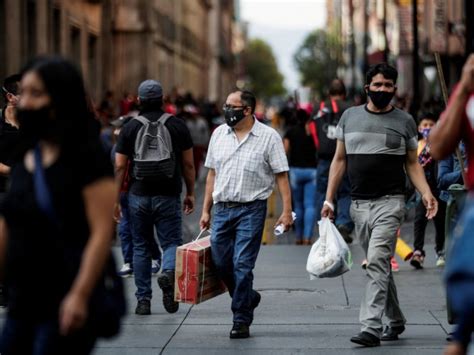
[230, 107]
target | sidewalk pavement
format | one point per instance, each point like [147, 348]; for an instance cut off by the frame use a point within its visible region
[295, 316]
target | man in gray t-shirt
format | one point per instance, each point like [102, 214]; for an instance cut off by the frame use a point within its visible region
[377, 144]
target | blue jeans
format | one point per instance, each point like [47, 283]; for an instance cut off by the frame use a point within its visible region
[235, 243]
[22, 336]
[125, 234]
[303, 191]
[343, 198]
[164, 214]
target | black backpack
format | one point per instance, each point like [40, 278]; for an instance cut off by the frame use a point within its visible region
[323, 130]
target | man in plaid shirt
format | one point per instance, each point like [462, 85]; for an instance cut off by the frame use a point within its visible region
[244, 158]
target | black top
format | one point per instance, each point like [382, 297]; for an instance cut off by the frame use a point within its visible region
[43, 257]
[181, 141]
[302, 148]
[9, 138]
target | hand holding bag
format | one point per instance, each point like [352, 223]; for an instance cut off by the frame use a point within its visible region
[329, 256]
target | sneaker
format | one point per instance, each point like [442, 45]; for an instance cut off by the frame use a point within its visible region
[440, 261]
[166, 283]
[364, 264]
[394, 264]
[126, 270]
[417, 260]
[143, 308]
[345, 232]
[155, 267]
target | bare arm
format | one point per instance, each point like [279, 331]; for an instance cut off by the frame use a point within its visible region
[336, 172]
[121, 162]
[417, 176]
[207, 204]
[189, 174]
[286, 145]
[3, 246]
[99, 198]
[4, 170]
[284, 187]
[446, 135]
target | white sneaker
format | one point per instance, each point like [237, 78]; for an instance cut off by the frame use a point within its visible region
[126, 270]
[440, 261]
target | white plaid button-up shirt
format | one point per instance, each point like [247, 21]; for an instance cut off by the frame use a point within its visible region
[245, 171]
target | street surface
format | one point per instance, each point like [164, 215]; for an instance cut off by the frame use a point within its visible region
[296, 315]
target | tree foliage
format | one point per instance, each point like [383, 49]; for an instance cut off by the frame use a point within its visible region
[317, 60]
[264, 78]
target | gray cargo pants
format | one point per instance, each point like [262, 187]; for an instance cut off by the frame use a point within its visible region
[376, 223]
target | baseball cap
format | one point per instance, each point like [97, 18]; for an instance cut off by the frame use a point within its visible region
[121, 121]
[150, 90]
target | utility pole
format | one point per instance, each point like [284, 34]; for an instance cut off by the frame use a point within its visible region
[366, 35]
[416, 62]
[352, 47]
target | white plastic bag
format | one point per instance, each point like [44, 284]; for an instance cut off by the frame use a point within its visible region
[329, 256]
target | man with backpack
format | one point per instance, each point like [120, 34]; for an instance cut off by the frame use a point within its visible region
[160, 150]
[323, 130]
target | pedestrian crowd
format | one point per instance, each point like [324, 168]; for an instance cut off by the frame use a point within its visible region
[68, 171]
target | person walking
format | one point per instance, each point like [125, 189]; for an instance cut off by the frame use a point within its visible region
[456, 123]
[430, 167]
[302, 156]
[57, 214]
[124, 226]
[244, 159]
[377, 143]
[160, 151]
[323, 130]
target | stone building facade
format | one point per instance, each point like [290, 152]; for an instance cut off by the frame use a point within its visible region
[118, 43]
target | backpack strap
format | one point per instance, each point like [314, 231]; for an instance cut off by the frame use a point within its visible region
[335, 109]
[314, 133]
[142, 119]
[163, 118]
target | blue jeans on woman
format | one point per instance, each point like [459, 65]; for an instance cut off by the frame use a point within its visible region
[343, 197]
[235, 242]
[303, 191]
[164, 214]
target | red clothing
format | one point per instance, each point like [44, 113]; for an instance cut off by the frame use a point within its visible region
[467, 135]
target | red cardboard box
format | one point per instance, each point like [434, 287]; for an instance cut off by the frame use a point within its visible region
[195, 277]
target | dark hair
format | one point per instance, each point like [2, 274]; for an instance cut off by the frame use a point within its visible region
[151, 105]
[427, 116]
[302, 116]
[10, 85]
[385, 69]
[248, 99]
[337, 88]
[64, 84]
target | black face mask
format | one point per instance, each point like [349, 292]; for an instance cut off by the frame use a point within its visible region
[381, 99]
[37, 124]
[232, 117]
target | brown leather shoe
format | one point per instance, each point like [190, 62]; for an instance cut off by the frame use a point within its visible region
[307, 242]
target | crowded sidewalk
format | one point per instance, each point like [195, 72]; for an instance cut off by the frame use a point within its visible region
[296, 315]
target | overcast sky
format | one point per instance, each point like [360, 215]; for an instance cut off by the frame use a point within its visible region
[284, 24]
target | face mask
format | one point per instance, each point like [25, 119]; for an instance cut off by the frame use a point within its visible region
[232, 117]
[37, 124]
[381, 99]
[426, 132]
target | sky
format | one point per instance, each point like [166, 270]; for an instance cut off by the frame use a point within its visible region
[284, 25]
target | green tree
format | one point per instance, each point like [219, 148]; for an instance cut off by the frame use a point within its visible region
[317, 60]
[261, 68]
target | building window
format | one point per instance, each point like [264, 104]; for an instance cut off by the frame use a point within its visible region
[2, 39]
[92, 62]
[75, 45]
[56, 31]
[30, 29]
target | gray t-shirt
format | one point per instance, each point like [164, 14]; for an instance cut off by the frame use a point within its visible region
[376, 147]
